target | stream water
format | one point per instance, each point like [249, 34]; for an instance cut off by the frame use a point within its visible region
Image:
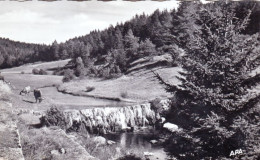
[134, 142]
[139, 142]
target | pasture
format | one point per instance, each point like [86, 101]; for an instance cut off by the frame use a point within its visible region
[133, 88]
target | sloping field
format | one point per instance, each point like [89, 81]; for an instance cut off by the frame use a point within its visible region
[137, 87]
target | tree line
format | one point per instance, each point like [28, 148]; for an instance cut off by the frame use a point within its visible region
[114, 48]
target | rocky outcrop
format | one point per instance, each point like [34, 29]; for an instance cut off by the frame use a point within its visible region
[101, 120]
[113, 119]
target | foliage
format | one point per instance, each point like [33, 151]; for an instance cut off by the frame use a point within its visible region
[5, 91]
[218, 59]
[124, 94]
[89, 89]
[42, 72]
[54, 117]
[147, 48]
[131, 44]
[68, 75]
[38, 72]
[35, 71]
[80, 69]
[39, 143]
[129, 157]
[127, 41]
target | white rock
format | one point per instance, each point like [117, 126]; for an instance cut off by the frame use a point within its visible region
[100, 140]
[162, 120]
[154, 141]
[171, 127]
[62, 151]
[109, 142]
[148, 154]
[55, 152]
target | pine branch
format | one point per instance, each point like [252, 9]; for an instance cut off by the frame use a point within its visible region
[168, 87]
[250, 103]
[252, 81]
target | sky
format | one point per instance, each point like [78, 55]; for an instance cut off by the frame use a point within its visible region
[43, 22]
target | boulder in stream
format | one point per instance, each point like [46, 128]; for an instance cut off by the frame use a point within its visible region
[154, 141]
[99, 140]
[171, 127]
[109, 142]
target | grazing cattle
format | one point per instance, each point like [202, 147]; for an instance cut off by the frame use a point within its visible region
[26, 90]
[38, 95]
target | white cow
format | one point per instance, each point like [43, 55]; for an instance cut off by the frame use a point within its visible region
[26, 90]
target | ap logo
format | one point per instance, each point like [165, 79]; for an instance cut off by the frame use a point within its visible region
[236, 152]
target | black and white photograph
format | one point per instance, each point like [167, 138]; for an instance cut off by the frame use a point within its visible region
[129, 80]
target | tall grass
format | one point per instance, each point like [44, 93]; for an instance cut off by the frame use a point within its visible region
[5, 91]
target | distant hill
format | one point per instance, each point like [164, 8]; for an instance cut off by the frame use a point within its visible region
[115, 48]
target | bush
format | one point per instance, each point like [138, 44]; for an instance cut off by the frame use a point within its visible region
[68, 75]
[89, 89]
[59, 72]
[22, 72]
[5, 91]
[124, 94]
[80, 69]
[35, 71]
[38, 72]
[130, 157]
[42, 72]
[54, 117]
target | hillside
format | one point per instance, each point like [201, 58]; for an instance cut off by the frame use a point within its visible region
[137, 86]
[10, 145]
[118, 46]
[183, 83]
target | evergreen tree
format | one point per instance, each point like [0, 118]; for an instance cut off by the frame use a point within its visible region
[146, 48]
[131, 44]
[217, 65]
[55, 50]
[219, 59]
[80, 69]
[118, 43]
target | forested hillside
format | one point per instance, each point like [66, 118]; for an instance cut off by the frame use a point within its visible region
[114, 48]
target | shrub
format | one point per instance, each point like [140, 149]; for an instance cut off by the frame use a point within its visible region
[80, 69]
[89, 89]
[124, 94]
[35, 71]
[59, 72]
[5, 91]
[42, 72]
[22, 72]
[54, 117]
[68, 75]
[214, 86]
[130, 157]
